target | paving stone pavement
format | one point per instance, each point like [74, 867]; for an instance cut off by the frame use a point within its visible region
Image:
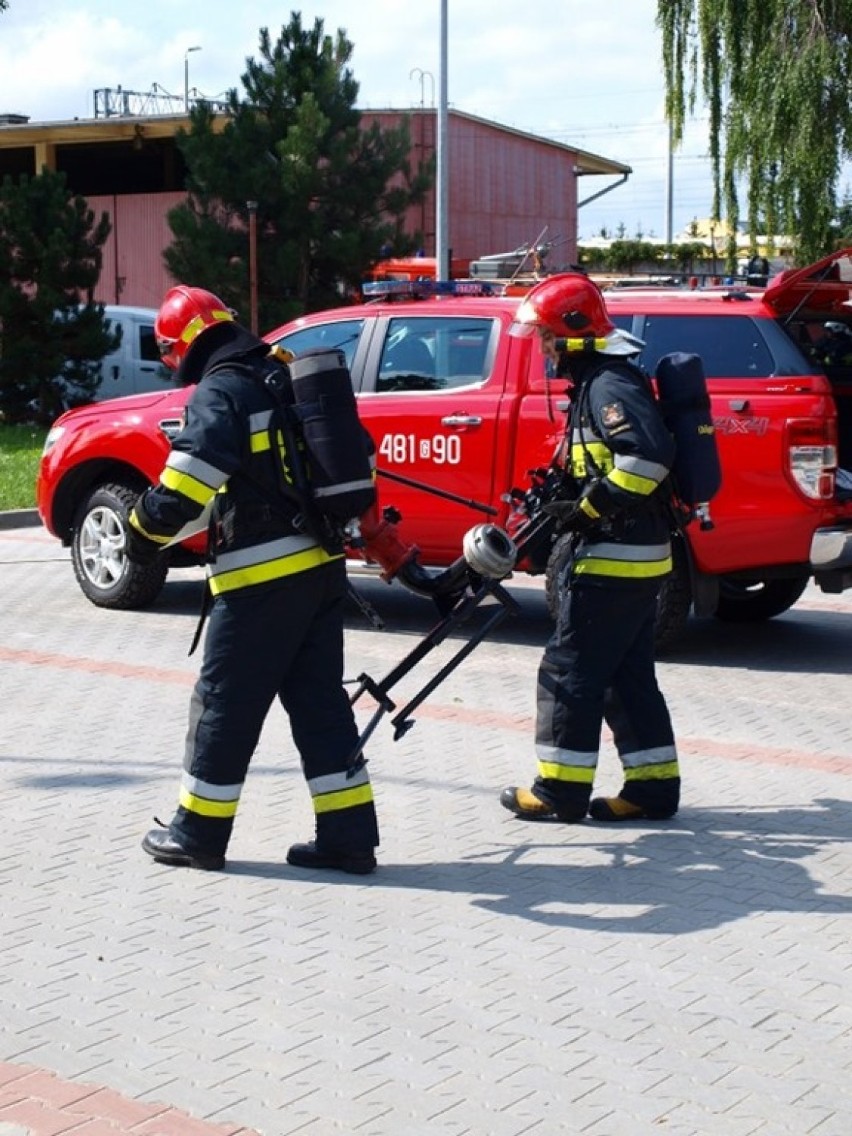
[493, 978]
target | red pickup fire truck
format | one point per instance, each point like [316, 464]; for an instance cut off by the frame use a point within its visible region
[462, 415]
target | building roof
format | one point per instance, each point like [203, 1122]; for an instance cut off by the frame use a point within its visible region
[17, 131]
[112, 129]
[587, 163]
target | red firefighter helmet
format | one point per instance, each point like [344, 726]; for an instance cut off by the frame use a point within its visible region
[184, 314]
[571, 307]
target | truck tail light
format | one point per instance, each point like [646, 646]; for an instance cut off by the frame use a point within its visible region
[812, 456]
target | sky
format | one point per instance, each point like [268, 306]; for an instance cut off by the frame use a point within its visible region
[584, 74]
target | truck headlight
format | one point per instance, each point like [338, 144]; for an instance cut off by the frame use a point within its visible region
[53, 436]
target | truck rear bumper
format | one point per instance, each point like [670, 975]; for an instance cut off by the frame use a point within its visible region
[831, 558]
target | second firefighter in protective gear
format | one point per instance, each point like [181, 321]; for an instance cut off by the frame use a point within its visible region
[599, 663]
[275, 628]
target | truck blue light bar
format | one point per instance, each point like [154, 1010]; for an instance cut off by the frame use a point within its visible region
[420, 289]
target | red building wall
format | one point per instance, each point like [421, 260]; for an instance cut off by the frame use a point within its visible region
[133, 269]
[503, 188]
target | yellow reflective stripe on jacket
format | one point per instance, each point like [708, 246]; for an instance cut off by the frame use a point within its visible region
[632, 482]
[261, 563]
[634, 474]
[629, 561]
[627, 471]
[259, 440]
[191, 477]
[643, 469]
[187, 486]
[646, 570]
[600, 454]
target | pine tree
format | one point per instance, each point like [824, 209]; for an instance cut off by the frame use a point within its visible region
[52, 334]
[776, 76]
[329, 193]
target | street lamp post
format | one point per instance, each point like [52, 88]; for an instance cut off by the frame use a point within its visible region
[251, 206]
[442, 258]
[186, 76]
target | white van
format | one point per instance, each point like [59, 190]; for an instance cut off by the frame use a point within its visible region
[135, 367]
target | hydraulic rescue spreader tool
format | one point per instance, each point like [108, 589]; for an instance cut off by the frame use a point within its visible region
[488, 556]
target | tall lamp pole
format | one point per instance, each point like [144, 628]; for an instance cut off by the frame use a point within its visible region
[669, 185]
[186, 76]
[252, 212]
[442, 260]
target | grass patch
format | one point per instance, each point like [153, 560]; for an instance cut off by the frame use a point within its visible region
[20, 450]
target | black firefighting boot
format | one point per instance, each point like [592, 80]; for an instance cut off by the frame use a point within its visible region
[525, 804]
[311, 855]
[167, 849]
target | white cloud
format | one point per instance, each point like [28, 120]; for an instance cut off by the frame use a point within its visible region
[583, 74]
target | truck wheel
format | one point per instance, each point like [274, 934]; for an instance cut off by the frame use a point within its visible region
[673, 604]
[104, 573]
[750, 601]
[557, 562]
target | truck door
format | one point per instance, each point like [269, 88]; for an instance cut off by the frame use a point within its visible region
[432, 396]
[135, 367]
[143, 362]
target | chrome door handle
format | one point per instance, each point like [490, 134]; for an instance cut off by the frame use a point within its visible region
[462, 420]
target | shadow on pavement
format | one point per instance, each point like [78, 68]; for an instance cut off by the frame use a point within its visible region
[705, 870]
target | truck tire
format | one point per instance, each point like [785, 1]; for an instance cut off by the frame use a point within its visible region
[554, 572]
[751, 601]
[104, 573]
[673, 604]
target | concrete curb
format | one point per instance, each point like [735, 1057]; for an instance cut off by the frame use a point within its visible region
[19, 518]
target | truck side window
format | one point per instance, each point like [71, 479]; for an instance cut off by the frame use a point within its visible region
[343, 335]
[435, 354]
[729, 346]
[148, 344]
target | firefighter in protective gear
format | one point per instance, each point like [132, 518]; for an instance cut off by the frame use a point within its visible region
[834, 347]
[275, 625]
[599, 663]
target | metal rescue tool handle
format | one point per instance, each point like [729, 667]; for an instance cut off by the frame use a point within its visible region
[489, 555]
[489, 510]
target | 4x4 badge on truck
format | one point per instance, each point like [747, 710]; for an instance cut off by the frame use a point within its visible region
[741, 425]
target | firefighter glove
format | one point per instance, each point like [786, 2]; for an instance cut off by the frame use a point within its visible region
[569, 515]
[139, 549]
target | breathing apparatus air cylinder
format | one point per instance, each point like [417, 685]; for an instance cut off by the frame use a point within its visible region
[685, 407]
[341, 481]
